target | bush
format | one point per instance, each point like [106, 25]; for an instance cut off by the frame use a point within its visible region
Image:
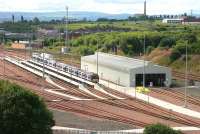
[175, 55]
[22, 112]
[167, 42]
[86, 51]
[149, 49]
[160, 129]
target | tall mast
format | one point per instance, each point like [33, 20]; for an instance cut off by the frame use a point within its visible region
[66, 32]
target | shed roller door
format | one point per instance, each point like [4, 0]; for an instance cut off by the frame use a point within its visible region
[157, 80]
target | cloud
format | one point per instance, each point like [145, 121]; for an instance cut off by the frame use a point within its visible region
[108, 6]
[119, 1]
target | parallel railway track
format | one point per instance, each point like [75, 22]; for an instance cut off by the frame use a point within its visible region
[180, 75]
[137, 106]
[177, 95]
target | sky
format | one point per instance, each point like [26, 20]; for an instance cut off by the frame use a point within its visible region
[106, 6]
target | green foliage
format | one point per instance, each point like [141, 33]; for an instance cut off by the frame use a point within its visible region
[167, 42]
[86, 51]
[160, 129]
[191, 38]
[175, 55]
[53, 42]
[18, 27]
[22, 112]
[149, 49]
[131, 43]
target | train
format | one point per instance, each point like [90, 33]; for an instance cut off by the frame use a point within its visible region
[48, 60]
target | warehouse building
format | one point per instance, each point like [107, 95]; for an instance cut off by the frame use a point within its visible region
[126, 71]
[173, 21]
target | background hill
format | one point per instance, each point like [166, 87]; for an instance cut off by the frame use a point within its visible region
[5, 16]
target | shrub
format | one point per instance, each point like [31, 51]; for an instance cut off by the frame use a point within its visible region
[22, 112]
[160, 129]
[175, 55]
[167, 42]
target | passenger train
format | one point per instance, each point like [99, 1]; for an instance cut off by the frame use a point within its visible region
[92, 77]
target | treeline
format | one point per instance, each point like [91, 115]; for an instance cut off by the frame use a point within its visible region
[132, 43]
[28, 26]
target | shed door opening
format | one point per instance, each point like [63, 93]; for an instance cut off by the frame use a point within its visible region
[157, 80]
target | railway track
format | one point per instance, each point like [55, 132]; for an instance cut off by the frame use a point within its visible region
[72, 89]
[163, 114]
[99, 93]
[180, 75]
[150, 110]
[88, 110]
[127, 106]
[77, 107]
[178, 95]
[18, 77]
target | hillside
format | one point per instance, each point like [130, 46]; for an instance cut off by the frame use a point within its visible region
[162, 57]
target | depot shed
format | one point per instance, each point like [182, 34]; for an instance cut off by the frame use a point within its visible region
[126, 71]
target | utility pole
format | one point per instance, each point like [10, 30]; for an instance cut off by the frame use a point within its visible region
[66, 32]
[144, 51]
[144, 69]
[43, 69]
[186, 73]
[97, 57]
[4, 54]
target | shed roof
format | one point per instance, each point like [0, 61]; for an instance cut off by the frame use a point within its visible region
[115, 61]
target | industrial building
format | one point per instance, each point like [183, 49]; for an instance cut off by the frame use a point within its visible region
[126, 71]
[173, 21]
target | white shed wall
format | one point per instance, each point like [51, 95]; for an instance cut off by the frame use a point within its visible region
[106, 73]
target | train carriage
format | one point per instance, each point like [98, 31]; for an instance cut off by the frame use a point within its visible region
[42, 58]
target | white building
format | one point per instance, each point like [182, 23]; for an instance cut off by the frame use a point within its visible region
[173, 21]
[126, 71]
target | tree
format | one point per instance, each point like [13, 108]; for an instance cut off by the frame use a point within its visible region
[22, 112]
[13, 18]
[160, 129]
[167, 42]
[22, 18]
[36, 20]
[175, 55]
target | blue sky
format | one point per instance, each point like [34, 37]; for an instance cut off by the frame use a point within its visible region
[107, 6]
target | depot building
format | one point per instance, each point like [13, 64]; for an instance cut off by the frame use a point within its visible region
[126, 71]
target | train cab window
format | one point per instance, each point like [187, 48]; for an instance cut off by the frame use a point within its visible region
[65, 69]
[89, 77]
[70, 70]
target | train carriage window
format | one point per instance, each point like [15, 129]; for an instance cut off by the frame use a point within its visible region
[79, 73]
[70, 70]
[76, 72]
[84, 76]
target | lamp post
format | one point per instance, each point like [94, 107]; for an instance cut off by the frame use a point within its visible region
[97, 57]
[144, 62]
[4, 55]
[186, 74]
[66, 38]
[144, 69]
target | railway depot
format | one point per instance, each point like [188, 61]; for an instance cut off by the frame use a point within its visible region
[162, 104]
[125, 71]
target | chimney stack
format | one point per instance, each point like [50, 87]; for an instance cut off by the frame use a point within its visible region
[145, 8]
